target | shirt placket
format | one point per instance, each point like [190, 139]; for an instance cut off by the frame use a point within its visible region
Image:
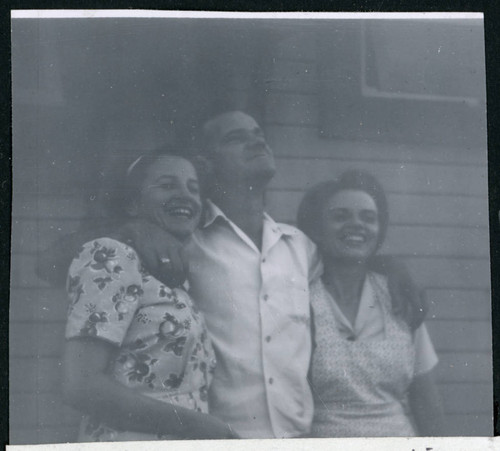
[271, 236]
[269, 344]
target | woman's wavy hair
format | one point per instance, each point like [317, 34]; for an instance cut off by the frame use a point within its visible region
[408, 300]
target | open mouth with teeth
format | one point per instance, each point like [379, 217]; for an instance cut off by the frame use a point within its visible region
[183, 212]
[354, 238]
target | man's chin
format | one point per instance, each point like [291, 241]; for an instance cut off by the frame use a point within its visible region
[266, 174]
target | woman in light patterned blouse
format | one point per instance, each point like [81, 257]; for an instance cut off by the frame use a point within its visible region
[137, 359]
[371, 372]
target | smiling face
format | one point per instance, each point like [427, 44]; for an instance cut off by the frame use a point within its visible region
[350, 228]
[170, 196]
[240, 149]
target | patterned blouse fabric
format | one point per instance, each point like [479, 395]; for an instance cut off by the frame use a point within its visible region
[360, 383]
[164, 352]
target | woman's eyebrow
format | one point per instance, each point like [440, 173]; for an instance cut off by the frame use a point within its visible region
[172, 178]
[242, 131]
[164, 177]
[235, 132]
[372, 210]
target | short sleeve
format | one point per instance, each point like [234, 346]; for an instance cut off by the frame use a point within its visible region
[425, 355]
[104, 288]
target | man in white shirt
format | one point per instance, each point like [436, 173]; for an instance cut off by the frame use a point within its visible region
[250, 276]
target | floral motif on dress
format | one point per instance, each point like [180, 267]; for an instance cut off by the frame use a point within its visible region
[164, 349]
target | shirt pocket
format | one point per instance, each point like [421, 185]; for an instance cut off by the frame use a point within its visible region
[295, 295]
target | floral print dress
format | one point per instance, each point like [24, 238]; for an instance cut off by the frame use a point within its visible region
[163, 349]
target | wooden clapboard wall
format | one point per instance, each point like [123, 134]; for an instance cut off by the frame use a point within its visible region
[37, 311]
[439, 223]
[437, 195]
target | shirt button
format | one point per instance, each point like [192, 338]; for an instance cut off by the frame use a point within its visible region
[271, 380]
[266, 297]
[268, 338]
[263, 260]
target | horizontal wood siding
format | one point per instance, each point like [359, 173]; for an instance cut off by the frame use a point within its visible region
[438, 224]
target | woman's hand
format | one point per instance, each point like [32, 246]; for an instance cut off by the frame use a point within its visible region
[161, 253]
[208, 427]
[425, 403]
[88, 386]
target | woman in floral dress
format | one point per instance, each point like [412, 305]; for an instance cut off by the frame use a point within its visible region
[372, 366]
[137, 359]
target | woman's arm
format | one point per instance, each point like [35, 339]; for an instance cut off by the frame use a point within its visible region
[425, 404]
[88, 387]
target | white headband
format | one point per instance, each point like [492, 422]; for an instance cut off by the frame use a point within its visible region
[133, 165]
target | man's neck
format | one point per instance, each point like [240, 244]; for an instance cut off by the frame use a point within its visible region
[243, 205]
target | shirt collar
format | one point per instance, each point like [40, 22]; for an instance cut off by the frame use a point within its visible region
[212, 212]
[278, 229]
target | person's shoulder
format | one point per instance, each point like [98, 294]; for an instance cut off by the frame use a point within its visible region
[298, 235]
[291, 230]
[106, 241]
[288, 229]
[105, 248]
[107, 261]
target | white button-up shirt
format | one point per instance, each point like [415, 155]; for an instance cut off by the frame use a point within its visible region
[256, 305]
